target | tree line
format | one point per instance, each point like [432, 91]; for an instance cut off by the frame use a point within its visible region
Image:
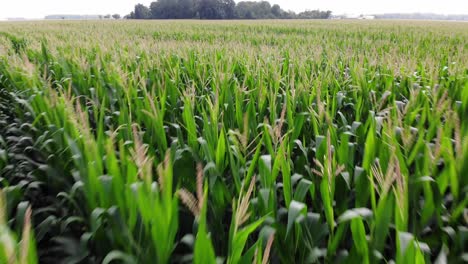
[422, 16]
[219, 9]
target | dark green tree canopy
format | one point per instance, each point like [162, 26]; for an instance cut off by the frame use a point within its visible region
[141, 12]
[219, 9]
[173, 9]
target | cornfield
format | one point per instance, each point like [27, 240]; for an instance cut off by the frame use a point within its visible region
[233, 142]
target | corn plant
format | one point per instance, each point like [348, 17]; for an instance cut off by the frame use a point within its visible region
[233, 142]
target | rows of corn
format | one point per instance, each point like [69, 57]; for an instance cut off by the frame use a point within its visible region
[233, 142]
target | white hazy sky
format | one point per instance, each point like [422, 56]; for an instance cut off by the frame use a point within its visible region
[41, 8]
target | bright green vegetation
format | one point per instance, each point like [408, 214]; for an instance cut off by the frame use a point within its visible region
[236, 142]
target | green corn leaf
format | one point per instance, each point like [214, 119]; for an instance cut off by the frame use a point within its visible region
[295, 210]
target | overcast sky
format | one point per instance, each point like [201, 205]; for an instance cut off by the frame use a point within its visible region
[41, 8]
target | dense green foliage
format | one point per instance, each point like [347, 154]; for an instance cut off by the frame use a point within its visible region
[232, 141]
[219, 9]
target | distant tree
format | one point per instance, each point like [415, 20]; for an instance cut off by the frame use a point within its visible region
[173, 9]
[208, 9]
[276, 11]
[263, 10]
[187, 9]
[257, 10]
[314, 14]
[130, 16]
[141, 12]
[116, 16]
[228, 9]
[290, 15]
[107, 16]
[245, 10]
[218, 9]
[159, 9]
[156, 9]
